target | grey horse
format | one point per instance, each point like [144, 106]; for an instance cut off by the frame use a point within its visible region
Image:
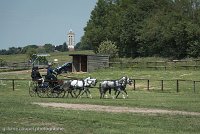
[119, 86]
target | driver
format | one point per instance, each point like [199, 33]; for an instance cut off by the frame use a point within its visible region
[50, 73]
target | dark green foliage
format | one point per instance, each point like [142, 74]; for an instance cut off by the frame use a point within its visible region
[167, 28]
[2, 62]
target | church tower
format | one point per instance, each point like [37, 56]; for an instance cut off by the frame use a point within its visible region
[71, 40]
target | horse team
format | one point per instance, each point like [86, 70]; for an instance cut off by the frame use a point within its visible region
[76, 88]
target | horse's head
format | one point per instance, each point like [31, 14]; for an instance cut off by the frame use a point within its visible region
[125, 80]
[94, 82]
[90, 82]
[129, 81]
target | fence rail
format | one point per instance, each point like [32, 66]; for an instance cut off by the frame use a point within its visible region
[181, 64]
[148, 82]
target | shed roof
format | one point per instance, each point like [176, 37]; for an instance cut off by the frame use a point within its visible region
[80, 54]
[87, 55]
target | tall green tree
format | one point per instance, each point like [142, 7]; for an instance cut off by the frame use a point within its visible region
[145, 28]
[64, 47]
[95, 31]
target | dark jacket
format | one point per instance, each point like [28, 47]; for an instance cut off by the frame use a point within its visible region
[35, 75]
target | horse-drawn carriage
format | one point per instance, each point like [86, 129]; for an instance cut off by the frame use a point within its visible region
[44, 87]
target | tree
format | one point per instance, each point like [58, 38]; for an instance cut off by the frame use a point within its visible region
[95, 31]
[145, 28]
[31, 53]
[2, 62]
[77, 47]
[108, 48]
[25, 49]
[49, 48]
[64, 47]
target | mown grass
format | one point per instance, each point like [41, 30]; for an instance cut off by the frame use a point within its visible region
[17, 110]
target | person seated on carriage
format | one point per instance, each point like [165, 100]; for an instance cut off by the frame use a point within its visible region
[35, 75]
[51, 75]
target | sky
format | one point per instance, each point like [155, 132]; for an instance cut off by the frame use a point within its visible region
[39, 22]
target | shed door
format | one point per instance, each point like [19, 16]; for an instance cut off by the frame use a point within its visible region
[83, 63]
[76, 64]
[80, 63]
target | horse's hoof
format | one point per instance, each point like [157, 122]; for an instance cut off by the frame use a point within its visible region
[124, 97]
[106, 96]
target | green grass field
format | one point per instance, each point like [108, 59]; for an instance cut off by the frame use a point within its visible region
[19, 116]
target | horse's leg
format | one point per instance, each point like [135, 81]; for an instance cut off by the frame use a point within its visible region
[126, 93]
[88, 91]
[109, 91]
[100, 92]
[81, 89]
[123, 89]
[117, 94]
[103, 93]
[120, 91]
[123, 96]
[74, 92]
[67, 94]
[113, 96]
[84, 91]
[69, 91]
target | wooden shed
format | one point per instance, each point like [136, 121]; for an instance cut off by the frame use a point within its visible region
[88, 63]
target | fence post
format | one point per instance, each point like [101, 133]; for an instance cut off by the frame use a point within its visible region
[177, 86]
[148, 85]
[13, 84]
[133, 84]
[194, 85]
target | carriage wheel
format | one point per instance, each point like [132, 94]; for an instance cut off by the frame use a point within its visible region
[61, 93]
[32, 88]
[42, 92]
[52, 93]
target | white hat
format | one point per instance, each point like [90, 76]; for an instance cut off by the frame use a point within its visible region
[49, 63]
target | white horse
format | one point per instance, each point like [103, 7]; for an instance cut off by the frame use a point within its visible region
[119, 86]
[80, 85]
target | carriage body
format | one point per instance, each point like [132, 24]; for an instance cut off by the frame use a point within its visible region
[42, 87]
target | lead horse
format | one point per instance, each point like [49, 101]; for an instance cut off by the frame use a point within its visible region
[119, 86]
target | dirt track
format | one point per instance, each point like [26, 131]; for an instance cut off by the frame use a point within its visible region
[100, 108]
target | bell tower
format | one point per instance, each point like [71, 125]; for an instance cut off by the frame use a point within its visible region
[71, 40]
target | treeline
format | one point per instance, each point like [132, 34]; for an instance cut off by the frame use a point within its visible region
[47, 48]
[139, 28]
